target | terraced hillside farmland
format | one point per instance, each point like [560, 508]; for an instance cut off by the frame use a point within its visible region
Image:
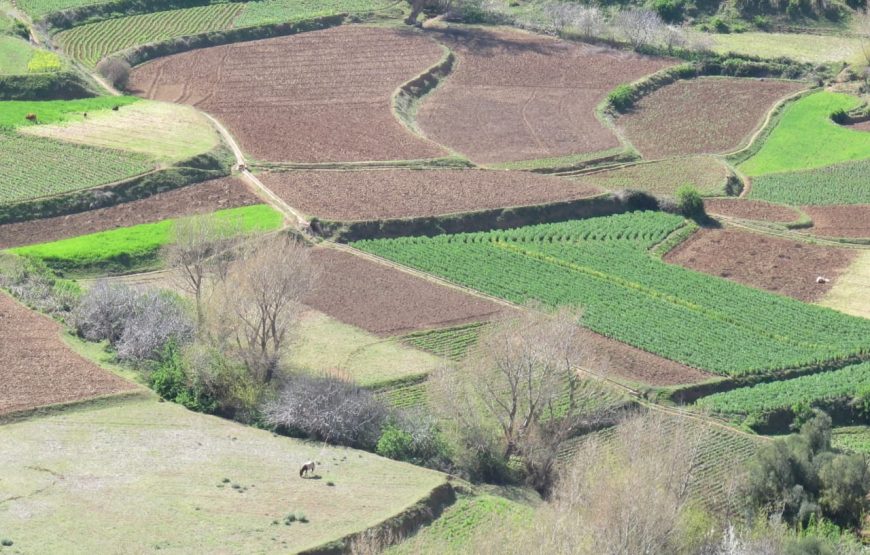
[840, 221]
[15, 53]
[751, 210]
[331, 89]
[381, 194]
[515, 96]
[663, 177]
[702, 115]
[771, 263]
[200, 198]
[200, 483]
[602, 264]
[844, 183]
[386, 301]
[37, 368]
[806, 138]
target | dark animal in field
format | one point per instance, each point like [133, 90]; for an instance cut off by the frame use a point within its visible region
[115, 108]
[306, 468]
[31, 117]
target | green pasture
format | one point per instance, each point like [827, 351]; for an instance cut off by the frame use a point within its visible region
[142, 476]
[844, 183]
[134, 247]
[803, 47]
[15, 53]
[13, 113]
[807, 138]
[604, 266]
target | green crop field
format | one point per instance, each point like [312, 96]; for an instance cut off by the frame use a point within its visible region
[135, 246]
[846, 383]
[405, 396]
[707, 173]
[37, 9]
[44, 61]
[13, 113]
[845, 183]
[852, 438]
[806, 138]
[33, 167]
[450, 343]
[89, 43]
[604, 266]
[278, 11]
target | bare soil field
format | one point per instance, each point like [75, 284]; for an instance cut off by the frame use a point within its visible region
[385, 301]
[851, 221]
[704, 115]
[751, 210]
[515, 96]
[37, 368]
[635, 365]
[764, 262]
[200, 198]
[378, 194]
[322, 96]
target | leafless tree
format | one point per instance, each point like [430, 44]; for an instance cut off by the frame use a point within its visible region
[673, 37]
[256, 306]
[117, 71]
[589, 21]
[200, 249]
[561, 15]
[639, 26]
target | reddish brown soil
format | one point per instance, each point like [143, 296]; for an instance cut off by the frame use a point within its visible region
[377, 194]
[323, 96]
[863, 126]
[386, 301]
[37, 369]
[751, 210]
[201, 198]
[769, 263]
[515, 96]
[701, 115]
[613, 357]
[840, 221]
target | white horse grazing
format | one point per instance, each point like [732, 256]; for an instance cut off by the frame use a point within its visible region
[306, 468]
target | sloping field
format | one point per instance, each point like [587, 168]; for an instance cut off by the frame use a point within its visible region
[201, 198]
[37, 368]
[851, 291]
[13, 113]
[806, 138]
[840, 221]
[386, 301]
[34, 167]
[323, 96]
[198, 484]
[751, 210]
[603, 265]
[769, 263]
[706, 173]
[515, 96]
[377, 194]
[803, 47]
[15, 53]
[701, 115]
[846, 183]
[165, 131]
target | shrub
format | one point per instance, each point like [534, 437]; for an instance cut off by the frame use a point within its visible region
[670, 10]
[840, 117]
[689, 202]
[328, 409]
[103, 312]
[158, 319]
[32, 282]
[621, 98]
[116, 71]
[719, 25]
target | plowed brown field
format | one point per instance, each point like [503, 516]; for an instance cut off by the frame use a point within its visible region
[515, 96]
[702, 115]
[386, 301]
[770, 263]
[323, 96]
[840, 221]
[37, 369]
[201, 198]
[377, 194]
[751, 210]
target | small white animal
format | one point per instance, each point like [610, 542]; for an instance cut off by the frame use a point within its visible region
[821, 279]
[306, 468]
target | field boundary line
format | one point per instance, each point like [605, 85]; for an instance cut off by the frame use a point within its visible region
[762, 229]
[766, 122]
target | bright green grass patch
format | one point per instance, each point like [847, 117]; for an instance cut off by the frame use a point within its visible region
[706, 173]
[803, 47]
[13, 112]
[604, 266]
[37, 9]
[15, 52]
[44, 61]
[33, 167]
[806, 138]
[845, 183]
[467, 520]
[847, 383]
[168, 132]
[129, 247]
[278, 11]
[852, 438]
[173, 464]
[327, 345]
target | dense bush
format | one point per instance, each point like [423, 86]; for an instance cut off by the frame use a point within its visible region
[116, 71]
[34, 284]
[621, 98]
[690, 203]
[413, 436]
